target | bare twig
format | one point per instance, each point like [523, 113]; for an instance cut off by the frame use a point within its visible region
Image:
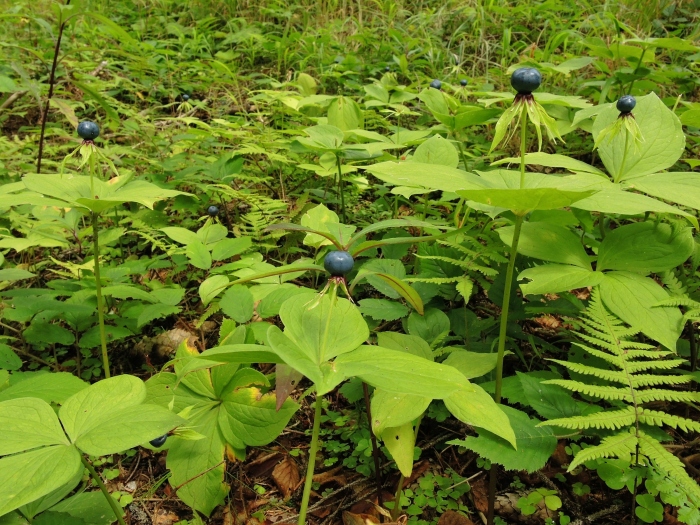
[12, 99]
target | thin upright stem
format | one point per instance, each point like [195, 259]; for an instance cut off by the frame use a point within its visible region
[98, 293]
[375, 448]
[312, 462]
[624, 156]
[95, 476]
[504, 310]
[340, 188]
[52, 80]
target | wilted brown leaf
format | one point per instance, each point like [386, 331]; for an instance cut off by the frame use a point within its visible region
[358, 519]
[286, 476]
[451, 517]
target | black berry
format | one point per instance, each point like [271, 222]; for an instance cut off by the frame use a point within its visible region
[159, 441]
[525, 80]
[185, 97]
[338, 263]
[626, 103]
[463, 82]
[212, 211]
[436, 84]
[88, 130]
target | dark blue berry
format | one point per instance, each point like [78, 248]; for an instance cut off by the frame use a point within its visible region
[212, 211]
[626, 103]
[436, 84]
[159, 441]
[185, 97]
[387, 68]
[463, 82]
[338, 263]
[88, 130]
[525, 80]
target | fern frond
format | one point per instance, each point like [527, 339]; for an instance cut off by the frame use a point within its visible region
[608, 375]
[612, 420]
[654, 380]
[621, 446]
[610, 358]
[668, 463]
[433, 280]
[669, 364]
[681, 300]
[673, 284]
[654, 417]
[610, 393]
[655, 394]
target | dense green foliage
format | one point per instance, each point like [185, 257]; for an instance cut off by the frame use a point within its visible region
[222, 220]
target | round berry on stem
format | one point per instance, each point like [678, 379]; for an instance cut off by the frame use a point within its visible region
[626, 103]
[185, 97]
[159, 441]
[338, 263]
[212, 211]
[463, 82]
[525, 80]
[88, 130]
[436, 84]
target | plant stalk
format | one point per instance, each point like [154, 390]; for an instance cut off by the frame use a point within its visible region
[375, 448]
[94, 475]
[98, 293]
[504, 310]
[52, 80]
[312, 462]
[340, 189]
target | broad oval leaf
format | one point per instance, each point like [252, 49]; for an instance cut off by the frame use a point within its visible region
[28, 423]
[522, 201]
[553, 278]
[390, 409]
[645, 247]
[549, 242]
[400, 441]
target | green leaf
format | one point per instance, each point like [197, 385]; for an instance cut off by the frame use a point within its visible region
[433, 326]
[554, 278]
[198, 467]
[253, 417]
[92, 93]
[8, 359]
[471, 364]
[477, 408]
[663, 144]
[31, 475]
[51, 387]
[28, 423]
[390, 409]
[436, 150]
[270, 305]
[345, 114]
[7, 85]
[535, 444]
[198, 255]
[181, 235]
[411, 344]
[212, 287]
[627, 203]
[237, 302]
[522, 201]
[400, 372]
[428, 176]
[230, 247]
[633, 299]
[549, 401]
[550, 160]
[324, 331]
[681, 188]
[645, 247]
[91, 507]
[318, 218]
[550, 242]
[151, 312]
[400, 441]
[404, 289]
[383, 309]
[15, 274]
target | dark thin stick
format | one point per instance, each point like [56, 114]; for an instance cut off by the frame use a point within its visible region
[375, 449]
[52, 78]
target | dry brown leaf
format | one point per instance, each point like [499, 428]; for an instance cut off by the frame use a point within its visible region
[324, 478]
[263, 465]
[451, 517]
[165, 517]
[350, 518]
[286, 476]
[480, 493]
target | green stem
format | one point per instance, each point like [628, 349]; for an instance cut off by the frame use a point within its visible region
[340, 189]
[504, 310]
[98, 293]
[396, 511]
[461, 152]
[601, 224]
[312, 462]
[93, 473]
[624, 156]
